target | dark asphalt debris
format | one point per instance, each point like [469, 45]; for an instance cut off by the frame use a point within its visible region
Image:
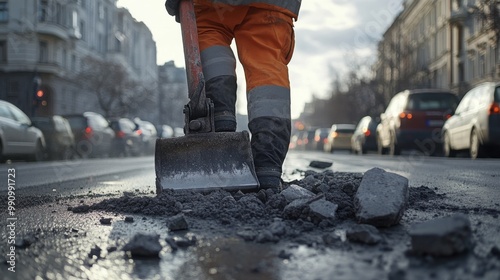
[144, 246]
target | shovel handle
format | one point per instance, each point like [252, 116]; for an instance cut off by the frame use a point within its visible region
[194, 70]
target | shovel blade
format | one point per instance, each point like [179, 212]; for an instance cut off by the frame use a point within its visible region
[205, 161]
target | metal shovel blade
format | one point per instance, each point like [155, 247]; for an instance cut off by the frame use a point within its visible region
[205, 161]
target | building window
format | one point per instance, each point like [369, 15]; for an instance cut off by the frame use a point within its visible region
[82, 29]
[4, 11]
[43, 52]
[14, 89]
[100, 11]
[481, 66]
[73, 62]
[43, 10]
[3, 51]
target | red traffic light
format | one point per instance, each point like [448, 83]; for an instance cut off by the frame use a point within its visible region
[40, 94]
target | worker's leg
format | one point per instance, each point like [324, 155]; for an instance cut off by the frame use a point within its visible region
[218, 61]
[265, 42]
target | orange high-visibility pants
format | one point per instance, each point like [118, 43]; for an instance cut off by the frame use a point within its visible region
[265, 43]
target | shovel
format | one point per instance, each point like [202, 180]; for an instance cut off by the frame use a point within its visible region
[203, 159]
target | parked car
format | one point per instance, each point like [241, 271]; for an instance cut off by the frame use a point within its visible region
[413, 120]
[178, 131]
[165, 131]
[364, 138]
[18, 137]
[93, 135]
[339, 138]
[127, 141]
[475, 126]
[296, 140]
[320, 138]
[308, 139]
[58, 135]
[148, 134]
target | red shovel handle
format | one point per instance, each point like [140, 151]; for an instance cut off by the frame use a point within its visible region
[194, 71]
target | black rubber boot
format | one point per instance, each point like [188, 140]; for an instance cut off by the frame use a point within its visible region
[270, 140]
[222, 91]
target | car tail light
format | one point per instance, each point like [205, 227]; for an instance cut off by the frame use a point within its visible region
[367, 132]
[120, 134]
[407, 116]
[335, 134]
[317, 138]
[494, 109]
[88, 132]
[139, 132]
[325, 141]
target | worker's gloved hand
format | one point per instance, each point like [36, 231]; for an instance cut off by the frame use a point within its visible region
[172, 7]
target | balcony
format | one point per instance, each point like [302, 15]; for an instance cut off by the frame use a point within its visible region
[53, 29]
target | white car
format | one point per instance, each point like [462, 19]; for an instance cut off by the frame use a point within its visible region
[18, 137]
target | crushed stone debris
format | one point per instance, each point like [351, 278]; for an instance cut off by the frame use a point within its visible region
[238, 209]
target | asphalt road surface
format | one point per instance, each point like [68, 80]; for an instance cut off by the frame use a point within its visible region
[55, 242]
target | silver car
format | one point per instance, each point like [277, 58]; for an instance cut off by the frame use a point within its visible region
[18, 137]
[475, 125]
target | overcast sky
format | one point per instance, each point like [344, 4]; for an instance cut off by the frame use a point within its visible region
[329, 34]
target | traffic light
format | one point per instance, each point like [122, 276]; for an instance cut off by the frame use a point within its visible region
[41, 98]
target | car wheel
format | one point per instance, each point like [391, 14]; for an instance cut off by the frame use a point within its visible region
[447, 150]
[380, 147]
[362, 149]
[394, 149]
[476, 150]
[2, 160]
[39, 154]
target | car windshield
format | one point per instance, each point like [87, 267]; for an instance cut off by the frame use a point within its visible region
[77, 122]
[345, 130]
[42, 123]
[432, 101]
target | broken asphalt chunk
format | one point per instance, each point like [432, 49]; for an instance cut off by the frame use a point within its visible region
[105, 221]
[443, 236]
[323, 209]
[177, 222]
[294, 192]
[144, 246]
[381, 198]
[366, 234]
[320, 164]
[80, 209]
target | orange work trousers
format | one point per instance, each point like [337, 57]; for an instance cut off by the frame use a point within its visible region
[264, 39]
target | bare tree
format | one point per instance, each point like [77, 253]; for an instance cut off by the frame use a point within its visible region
[110, 82]
[488, 12]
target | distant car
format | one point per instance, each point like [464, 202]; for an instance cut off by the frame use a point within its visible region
[148, 134]
[413, 120]
[58, 135]
[320, 138]
[339, 138]
[475, 126]
[308, 139]
[296, 140]
[178, 131]
[127, 141]
[18, 137]
[165, 131]
[93, 135]
[364, 138]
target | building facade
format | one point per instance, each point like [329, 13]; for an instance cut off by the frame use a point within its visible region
[44, 45]
[436, 44]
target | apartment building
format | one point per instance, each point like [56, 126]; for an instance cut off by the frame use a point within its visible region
[44, 45]
[438, 44]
